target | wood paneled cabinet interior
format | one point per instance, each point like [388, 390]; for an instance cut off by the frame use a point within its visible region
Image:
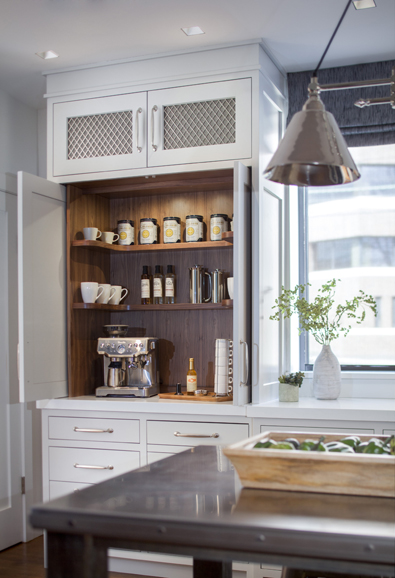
[184, 330]
[173, 126]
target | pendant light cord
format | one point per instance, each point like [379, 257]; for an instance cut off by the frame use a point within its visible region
[332, 37]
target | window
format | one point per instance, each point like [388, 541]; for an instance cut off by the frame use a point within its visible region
[350, 235]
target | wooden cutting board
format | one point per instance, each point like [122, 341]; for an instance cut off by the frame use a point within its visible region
[209, 397]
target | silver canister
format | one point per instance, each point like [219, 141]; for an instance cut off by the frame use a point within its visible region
[197, 276]
[218, 286]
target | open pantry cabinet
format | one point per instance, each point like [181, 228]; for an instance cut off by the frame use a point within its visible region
[184, 330]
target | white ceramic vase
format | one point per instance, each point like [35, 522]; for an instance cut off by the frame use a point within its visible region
[288, 392]
[326, 375]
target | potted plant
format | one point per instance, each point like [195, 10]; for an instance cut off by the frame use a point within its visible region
[326, 323]
[289, 386]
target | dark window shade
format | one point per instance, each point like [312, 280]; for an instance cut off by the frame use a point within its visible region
[369, 126]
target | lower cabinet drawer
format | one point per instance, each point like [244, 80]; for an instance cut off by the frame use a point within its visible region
[59, 489]
[195, 433]
[89, 466]
[94, 429]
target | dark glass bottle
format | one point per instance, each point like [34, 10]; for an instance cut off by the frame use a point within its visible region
[170, 286]
[158, 286]
[146, 298]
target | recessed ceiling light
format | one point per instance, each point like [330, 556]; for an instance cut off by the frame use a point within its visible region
[361, 4]
[192, 31]
[47, 54]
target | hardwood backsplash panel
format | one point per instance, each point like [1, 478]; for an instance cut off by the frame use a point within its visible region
[181, 334]
[171, 205]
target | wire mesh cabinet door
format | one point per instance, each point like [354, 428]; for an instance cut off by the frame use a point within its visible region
[200, 123]
[102, 134]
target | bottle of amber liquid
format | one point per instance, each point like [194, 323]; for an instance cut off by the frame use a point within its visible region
[146, 298]
[170, 286]
[158, 286]
[191, 376]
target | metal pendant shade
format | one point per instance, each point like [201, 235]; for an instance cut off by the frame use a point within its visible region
[313, 151]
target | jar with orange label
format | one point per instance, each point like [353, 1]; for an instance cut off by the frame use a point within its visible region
[193, 228]
[126, 232]
[171, 230]
[148, 231]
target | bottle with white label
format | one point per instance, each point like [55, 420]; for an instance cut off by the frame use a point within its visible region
[146, 298]
[170, 286]
[191, 376]
[158, 286]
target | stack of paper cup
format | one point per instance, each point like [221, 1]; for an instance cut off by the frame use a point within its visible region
[223, 367]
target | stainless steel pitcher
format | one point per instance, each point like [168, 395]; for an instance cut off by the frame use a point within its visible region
[197, 285]
[218, 286]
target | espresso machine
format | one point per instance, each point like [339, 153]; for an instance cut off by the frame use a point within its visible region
[129, 365]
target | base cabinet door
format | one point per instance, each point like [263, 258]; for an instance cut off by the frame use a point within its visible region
[199, 123]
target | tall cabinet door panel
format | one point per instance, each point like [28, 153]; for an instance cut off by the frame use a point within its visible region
[100, 134]
[200, 123]
[242, 284]
[41, 288]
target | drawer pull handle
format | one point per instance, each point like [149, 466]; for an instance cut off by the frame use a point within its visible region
[93, 467]
[90, 430]
[186, 435]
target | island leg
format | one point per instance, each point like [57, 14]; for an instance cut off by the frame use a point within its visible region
[211, 569]
[76, 556]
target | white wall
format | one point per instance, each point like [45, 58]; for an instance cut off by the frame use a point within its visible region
[19, 151]
[18, 136]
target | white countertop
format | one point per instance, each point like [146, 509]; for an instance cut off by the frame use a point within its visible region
[149, 405]
[354, 409]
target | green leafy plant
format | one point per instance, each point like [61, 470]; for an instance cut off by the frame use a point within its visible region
[292, 378]
[315, 317]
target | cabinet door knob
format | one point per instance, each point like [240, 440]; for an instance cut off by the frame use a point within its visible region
[92, 430]
[188, 435]
[153, 111]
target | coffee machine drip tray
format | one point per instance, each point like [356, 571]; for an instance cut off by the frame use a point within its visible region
[127, 391]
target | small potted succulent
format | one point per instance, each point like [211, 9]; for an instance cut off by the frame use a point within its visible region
[289, 386]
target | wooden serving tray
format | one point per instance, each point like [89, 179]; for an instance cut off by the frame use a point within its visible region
[184, 397]
[324, 472]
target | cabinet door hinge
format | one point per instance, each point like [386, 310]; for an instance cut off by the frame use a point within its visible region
[23, 485]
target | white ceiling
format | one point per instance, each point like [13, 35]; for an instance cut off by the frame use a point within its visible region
[294, 32]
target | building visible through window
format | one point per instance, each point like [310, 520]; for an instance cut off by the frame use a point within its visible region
[351, 236]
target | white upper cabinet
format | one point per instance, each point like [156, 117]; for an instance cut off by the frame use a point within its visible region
[200, 123]
[96, 137]
[99, 134]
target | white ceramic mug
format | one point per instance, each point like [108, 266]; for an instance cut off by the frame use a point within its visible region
[91, 233]
[118, 294]
[109, 237]
[230, 287]
[108, 292]
[90, 292]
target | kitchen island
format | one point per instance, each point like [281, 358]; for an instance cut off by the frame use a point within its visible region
[192, 504]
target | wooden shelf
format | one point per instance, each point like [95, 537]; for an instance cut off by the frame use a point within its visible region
[100, 246]
[173, 307]
[228, 237]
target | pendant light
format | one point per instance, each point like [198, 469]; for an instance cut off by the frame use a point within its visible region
[313, 151]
